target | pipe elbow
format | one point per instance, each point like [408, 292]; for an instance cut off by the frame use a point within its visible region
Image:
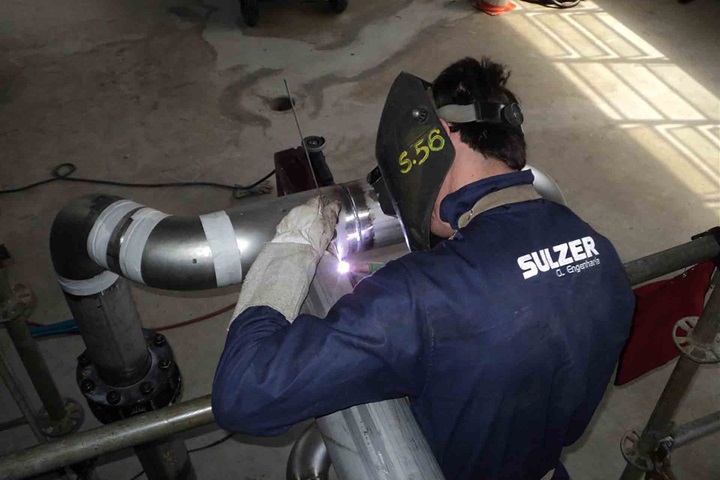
[69, 233]
[309, 458]
[98, 237]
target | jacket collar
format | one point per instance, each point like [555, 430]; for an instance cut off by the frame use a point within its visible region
[461, 201]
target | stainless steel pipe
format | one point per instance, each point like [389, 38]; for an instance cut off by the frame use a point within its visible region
[107, 439]
[37, 370]
[696, 429]
[96, 238]
[667, 261]
[375, 441]
[21, 399]
[99, 233]
[309, 459]
[112, 332]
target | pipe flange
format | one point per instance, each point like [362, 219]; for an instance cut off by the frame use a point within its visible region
[70, 423]
[691, 348]
[632, 454]
[160, 386]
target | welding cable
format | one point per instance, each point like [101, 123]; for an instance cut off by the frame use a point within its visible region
[69, 327]
[64, 172]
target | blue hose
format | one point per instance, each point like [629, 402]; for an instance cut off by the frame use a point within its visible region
[59, 328]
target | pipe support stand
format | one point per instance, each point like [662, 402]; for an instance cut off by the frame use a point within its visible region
[59, 416]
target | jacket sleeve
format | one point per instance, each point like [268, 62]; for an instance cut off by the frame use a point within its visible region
[370, 347]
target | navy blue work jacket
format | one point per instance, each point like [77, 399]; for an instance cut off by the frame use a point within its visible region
[504, 338]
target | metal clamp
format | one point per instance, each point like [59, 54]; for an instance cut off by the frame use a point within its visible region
[691, 348]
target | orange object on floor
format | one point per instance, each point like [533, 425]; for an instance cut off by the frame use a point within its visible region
[494, 7]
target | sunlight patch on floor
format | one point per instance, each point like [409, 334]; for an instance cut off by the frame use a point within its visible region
[642, 91]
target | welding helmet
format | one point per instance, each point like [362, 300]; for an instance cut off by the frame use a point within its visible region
[414, 153]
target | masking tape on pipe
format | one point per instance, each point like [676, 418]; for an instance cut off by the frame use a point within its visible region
[223, 243]
[91, 286]
[101, 232]
[134, 240]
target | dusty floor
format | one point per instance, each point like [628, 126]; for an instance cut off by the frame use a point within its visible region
[621, 107]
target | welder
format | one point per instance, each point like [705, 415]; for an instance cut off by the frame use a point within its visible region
[502, 326]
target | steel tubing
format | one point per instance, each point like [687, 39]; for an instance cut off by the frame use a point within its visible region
[99, 441]
[696, 429]
[37, 369]
[685, 368]
[660, 423]
[20, 397]
[375, 441]
[676, 258]
[309, 459]
[112, 332]
[94, 234]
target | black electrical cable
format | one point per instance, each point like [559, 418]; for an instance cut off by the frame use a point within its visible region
[213, 444]
[65, 170]
[198, 449]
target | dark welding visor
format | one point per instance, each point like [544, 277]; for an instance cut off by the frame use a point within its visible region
[414, 155]
[414, 152]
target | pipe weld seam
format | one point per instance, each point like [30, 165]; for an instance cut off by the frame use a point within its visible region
[134, 240]
[102, 230]
[90, 286]
[226, 253]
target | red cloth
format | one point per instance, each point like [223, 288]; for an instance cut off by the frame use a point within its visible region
[659, 305]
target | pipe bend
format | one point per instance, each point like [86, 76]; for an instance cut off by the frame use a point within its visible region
[68, 237]
[96, 238]
[309, 458]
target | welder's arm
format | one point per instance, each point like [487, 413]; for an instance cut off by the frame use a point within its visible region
[274, 374]
[280, 276]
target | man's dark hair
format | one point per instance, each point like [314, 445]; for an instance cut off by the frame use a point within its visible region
[468, 81]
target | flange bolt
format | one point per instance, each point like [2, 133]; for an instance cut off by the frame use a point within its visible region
[113, 397]
[146, 388]
[83, 361]
[87, 385]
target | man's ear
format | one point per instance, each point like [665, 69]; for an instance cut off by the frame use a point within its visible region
[445, 126]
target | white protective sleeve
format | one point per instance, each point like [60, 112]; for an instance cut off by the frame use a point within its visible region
[280, 276]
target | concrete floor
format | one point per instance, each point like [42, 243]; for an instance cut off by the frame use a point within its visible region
[621, 107]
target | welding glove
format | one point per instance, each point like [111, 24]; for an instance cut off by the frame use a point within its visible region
[280, 276]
